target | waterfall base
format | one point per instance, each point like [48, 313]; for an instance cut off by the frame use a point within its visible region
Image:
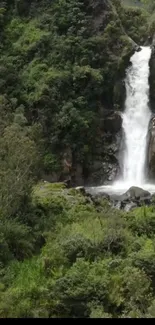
[123, 196]
[120, 188]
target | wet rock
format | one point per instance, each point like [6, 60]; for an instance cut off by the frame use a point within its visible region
[103, 175]
[151, 149]
[119, 201]
[133, 198]
[137, 193]
[153, 43]
[137, 48]
[113, 173]
[130, 206]
[152, 77]
[117, 205]
[148, 42]
[113, 123]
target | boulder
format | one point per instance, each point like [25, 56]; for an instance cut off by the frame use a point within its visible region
[136, 193]
[133, 198]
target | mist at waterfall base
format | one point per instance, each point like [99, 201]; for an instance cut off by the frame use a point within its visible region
[136, 118]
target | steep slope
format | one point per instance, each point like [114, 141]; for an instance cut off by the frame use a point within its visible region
[63, 252]
[64, 61]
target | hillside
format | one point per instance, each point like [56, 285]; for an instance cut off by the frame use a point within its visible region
[65, 253]
[64, 64]
[96, 261]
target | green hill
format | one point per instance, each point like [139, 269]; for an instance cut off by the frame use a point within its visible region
[64, 253]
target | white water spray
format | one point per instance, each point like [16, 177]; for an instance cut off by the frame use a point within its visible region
[136, 118]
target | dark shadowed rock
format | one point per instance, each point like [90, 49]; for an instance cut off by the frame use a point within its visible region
[68, 183]
[137, 48]
[151, 149]
[125, 205]
[113, 123]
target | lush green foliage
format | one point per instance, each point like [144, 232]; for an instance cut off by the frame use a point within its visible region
[95, 262]
[65, 65]
[63, 254]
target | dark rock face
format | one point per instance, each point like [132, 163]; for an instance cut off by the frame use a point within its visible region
[152, 77]
[101, 9]
[151, 149]
[105, 167]
[151, 135]
[113, 123]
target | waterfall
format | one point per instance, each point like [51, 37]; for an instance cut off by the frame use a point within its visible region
[136, 118]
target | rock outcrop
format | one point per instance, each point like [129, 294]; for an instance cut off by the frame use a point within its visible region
[105, 167]
[152, 76]
[134, 197]
[151, 150]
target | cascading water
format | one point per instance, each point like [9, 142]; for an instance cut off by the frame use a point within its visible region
[136, 119]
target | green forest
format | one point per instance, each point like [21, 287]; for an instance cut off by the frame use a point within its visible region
[64, 253]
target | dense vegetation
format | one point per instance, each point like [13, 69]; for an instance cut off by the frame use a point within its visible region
[63, 254]
[61, 62]
[96, 261]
